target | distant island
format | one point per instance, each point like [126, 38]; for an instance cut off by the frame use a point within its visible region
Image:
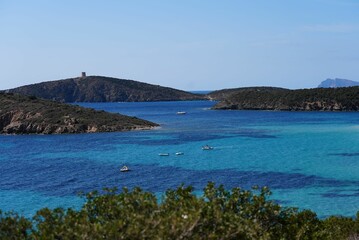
[269, 98]
[103, 89]
[337, 82]
[30, 115]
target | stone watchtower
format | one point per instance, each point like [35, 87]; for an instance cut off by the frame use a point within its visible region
[83, 74]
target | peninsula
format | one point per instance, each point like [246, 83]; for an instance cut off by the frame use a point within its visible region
[269, 98]
[103, 89]
[30, 115]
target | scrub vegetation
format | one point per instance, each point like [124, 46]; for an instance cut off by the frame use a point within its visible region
[31, 115]
[217, 214]
[268, 98]
[103, 89]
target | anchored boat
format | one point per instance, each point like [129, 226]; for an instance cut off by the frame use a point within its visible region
[124, 169]
[181, 113]
[163, 154]
[206, 147]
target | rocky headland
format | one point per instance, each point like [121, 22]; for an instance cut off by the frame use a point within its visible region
[30, 115]
[103, 89]
[268, 98]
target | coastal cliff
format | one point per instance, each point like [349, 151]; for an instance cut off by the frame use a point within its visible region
[30, 115]
[103, 89]
[262, 98]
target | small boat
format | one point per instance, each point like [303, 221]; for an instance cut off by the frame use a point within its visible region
[206, 147]
[124, 169]
[163, 154]
[179, 153]
[181, 113]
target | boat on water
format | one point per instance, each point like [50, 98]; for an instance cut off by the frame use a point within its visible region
[179, 153]
[124, 169]
[163, 154]
[207, 147]
[181, 113]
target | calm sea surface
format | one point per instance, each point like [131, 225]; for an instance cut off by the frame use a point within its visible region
[310, 160]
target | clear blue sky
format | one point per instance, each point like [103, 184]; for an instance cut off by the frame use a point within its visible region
[186, 44]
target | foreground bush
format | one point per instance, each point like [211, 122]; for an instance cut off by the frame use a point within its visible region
[218, 214]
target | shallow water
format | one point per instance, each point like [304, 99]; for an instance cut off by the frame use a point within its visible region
[309, 159]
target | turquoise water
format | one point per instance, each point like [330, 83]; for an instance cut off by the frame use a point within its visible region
[310, 160]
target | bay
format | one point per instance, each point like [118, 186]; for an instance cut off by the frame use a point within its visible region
[309, 160]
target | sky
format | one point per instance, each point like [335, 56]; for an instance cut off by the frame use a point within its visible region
[186, 44]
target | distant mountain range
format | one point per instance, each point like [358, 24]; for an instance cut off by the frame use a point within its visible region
[103, 89]
[337, 82]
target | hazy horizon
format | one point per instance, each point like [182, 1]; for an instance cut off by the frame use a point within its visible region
[188, 45]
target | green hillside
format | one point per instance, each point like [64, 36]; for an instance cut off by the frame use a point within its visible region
[103, 89]
[316, 99]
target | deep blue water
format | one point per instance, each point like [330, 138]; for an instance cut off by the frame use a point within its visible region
[310, 160]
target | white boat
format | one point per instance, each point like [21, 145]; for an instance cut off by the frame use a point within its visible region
[206, 147]
[181, 113]
[179, 153]
[163, 154]
[124, 169]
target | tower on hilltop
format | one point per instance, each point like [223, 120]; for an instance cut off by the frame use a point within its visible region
[83, 74]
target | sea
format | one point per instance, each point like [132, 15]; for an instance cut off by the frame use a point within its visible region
[310, 160]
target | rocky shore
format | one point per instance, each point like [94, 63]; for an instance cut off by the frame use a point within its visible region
[262, 98]
[30, 115]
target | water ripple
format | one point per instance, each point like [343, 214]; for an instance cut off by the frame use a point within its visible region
[56, 180]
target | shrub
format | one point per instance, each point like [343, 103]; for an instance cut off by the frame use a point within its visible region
[218, 214]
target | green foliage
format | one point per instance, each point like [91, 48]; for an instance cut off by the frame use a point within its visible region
[218, 214]
[13, 226]
[341, 227]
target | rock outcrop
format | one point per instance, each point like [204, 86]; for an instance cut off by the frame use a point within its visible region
[30, 115]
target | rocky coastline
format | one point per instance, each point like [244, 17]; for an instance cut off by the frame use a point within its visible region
[318, 99]
[30, 115]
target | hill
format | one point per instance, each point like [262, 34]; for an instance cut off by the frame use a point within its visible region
[225, 93]
[337, 82]
[319, 99]
[24, 115]
[103, 89]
